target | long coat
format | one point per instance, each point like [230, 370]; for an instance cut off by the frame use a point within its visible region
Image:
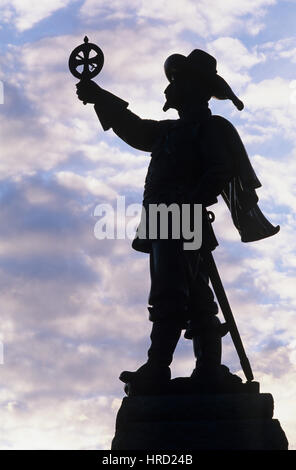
[225, 167]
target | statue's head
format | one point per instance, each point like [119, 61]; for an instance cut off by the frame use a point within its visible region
[194, 79]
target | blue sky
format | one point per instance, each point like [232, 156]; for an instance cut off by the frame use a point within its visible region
[73, 308]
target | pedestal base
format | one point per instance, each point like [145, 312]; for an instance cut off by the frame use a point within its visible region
[240, 421]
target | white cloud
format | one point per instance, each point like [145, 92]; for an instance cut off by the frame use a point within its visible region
[252, 133]
[80, 183]
[205, 18]
[228, 16]
[269, 94]
[53, 424]
[56, 329]
[284, 48]
[73, 308]
[234, 60]
[271, 103]
[26, 13]
[103, 153]
[36, 147]
[234, 54]
[279, 182]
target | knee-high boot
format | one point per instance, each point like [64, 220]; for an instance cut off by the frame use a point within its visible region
[207, 345]
[164, 337]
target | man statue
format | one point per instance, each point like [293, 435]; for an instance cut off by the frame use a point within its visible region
[193, 160]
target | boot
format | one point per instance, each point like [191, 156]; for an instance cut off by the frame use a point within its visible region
[207, 346]
[164, 337]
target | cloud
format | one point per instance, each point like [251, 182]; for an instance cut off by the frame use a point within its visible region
[284, 48]
[43, 84]
[234, 60]
[52, 424]
[270, 103]
[73, 307]
[256, 133]
[27, 13]
[269, 94]
[89, 184]
[48, 118]
[205, 17]
[233, 53]
[65, 298]
[274, 172]
[31, 145]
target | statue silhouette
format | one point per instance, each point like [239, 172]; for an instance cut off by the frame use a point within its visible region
[194, 159]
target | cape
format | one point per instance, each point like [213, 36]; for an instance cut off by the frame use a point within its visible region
[240, 193]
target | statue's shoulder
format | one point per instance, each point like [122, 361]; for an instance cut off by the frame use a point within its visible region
[219, 127]
[219, 123]
[165, 125]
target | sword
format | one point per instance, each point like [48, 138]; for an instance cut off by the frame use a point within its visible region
[227, 313]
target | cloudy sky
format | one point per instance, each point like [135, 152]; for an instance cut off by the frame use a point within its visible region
[73, 308]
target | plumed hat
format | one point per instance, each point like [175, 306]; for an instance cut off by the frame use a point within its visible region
[204, 66]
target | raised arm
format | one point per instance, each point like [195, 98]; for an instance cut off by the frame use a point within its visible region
[113, 113]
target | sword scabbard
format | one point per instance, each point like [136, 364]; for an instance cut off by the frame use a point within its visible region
[227, 313]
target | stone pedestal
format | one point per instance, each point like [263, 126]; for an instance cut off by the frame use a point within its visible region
[188, 422]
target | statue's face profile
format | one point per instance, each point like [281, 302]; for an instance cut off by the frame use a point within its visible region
[186, 89]
[181, 91]
[172, 97]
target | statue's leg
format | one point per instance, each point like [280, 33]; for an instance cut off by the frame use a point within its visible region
[164, 338]
[168, 301]
[207, 344]
[204, 327]
[206, 331]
